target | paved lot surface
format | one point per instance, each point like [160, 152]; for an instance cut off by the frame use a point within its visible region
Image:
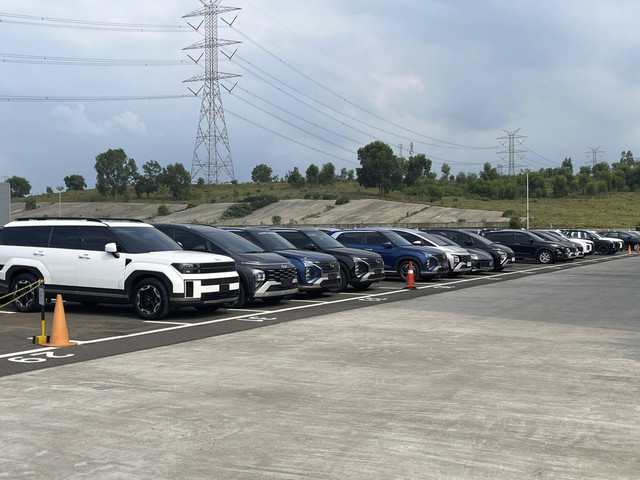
[536, 378]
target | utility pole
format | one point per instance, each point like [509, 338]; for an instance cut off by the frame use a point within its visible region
[212, 152]
[595, 155]
[511, 152]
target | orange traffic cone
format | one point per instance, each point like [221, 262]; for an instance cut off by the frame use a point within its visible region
[59, 334]
[629, 249]
[410, 281]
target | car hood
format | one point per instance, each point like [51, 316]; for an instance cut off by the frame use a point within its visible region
[308, 255]
[262, 260]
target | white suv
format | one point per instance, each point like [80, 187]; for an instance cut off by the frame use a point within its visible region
[111, 261]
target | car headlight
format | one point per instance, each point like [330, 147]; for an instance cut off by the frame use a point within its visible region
[311, 271]
[474, 256]
[258, 275]
[456, 259]
[187, 268]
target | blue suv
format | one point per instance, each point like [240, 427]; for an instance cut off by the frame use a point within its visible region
[396, 252]
[317, 272]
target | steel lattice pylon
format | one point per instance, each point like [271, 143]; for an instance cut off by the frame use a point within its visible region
[212, 152]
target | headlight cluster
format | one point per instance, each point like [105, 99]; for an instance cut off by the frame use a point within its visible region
[311, 271]
[187, 268]
[456, 259]
[361, 266]
[258, 276]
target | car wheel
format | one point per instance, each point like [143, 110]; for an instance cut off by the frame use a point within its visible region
[242, 298]
[361, 286]
[545, 256]
[403, 270]
[25, 302]
[343, 282]
[150, 299]
[603, 249]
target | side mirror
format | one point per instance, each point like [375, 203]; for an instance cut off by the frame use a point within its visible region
[468, 242]
[387, 245]
[112, 249]
[418, 242]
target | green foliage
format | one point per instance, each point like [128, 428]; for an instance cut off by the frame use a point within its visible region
[312, 173]
[49, 190]
[342, 200]
[114, 172]
[149, 181]
[261, 174]
[380, 168]
[177, 180]
[515, 222]
[259, 201]
[327, 175]
[75, 182]
[163, 210]
[276, 220]
[19, 186]
[30, 204]
[295, 178]
[237, 210]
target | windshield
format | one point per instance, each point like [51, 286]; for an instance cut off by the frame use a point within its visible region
[232, 242]
[272, 241]
[396, 239]
[435, 239]
[322, 239]
[143, 239]
[444, 240]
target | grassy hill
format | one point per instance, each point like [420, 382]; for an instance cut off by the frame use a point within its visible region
[611, 211]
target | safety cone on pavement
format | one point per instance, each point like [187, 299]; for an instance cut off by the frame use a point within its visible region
[410, 280]
[59, 333]
[629, 249]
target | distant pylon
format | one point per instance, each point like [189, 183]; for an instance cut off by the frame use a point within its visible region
[212, 151]
[510, 138]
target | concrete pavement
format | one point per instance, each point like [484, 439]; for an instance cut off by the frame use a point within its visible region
[533, 378]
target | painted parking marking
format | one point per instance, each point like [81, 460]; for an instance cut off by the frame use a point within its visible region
[37, 357]
[257, 319]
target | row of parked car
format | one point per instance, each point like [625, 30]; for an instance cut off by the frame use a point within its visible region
[126, 261]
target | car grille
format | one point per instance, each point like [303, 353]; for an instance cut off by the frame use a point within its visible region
[328, 267]
[219, 295]
[465, 258]
[442, 260]
[374, 262]
[483, 263]
[218, 267]
[280, 274]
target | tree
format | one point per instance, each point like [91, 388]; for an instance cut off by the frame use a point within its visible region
[380, 168]
[446, 170]
[295, 178]
[19, 186]
[418, 167]
[75, 182]
[177, 180]
[114, 172]
[312, 174]
[49, 190]
[261, 173]
[327, 175]
[567, 165]
[627, 158]
[149, 182]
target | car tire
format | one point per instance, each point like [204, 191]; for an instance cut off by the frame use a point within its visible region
[403, 269]
[545, 256]
[343, 281]
[150, 299]
[242, 298]
[603, 249]
[29, 301]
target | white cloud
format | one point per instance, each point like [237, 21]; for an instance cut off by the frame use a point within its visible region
[76, 121]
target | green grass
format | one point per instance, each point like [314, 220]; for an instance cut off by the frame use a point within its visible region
[616, 210]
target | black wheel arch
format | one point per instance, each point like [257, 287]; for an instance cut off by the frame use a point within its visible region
[136, 277]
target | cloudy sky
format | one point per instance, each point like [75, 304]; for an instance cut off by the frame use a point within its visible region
[320, 79]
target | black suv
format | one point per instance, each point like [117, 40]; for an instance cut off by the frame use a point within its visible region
[526, 244]
[263, 275]
[502, 255]
[358, 268]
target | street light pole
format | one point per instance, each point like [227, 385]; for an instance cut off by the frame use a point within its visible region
[527, 198]
[59, 200]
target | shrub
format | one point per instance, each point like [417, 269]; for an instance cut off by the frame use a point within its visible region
[276, 220]
[515, 222]
[30, 204]
[237, 210]
[163, 210]
[342, 200]
[259, 201]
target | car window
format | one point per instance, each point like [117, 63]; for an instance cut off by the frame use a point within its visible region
[352, 237]
[376, 238]
[95, 238]
[66, 237]
[189, 240]
[143, 240]
[31, 236]
[299, 239]
[521, 237]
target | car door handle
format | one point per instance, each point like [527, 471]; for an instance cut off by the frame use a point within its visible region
[85, 256]
[39, 253]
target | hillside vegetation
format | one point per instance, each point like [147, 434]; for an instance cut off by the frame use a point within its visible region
[614, 210]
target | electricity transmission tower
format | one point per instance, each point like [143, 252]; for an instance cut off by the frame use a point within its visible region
[511, 138]
[212, 152]
[595, 155]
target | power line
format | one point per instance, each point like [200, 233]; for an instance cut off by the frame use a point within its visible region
[42, 98]
[94, 62]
